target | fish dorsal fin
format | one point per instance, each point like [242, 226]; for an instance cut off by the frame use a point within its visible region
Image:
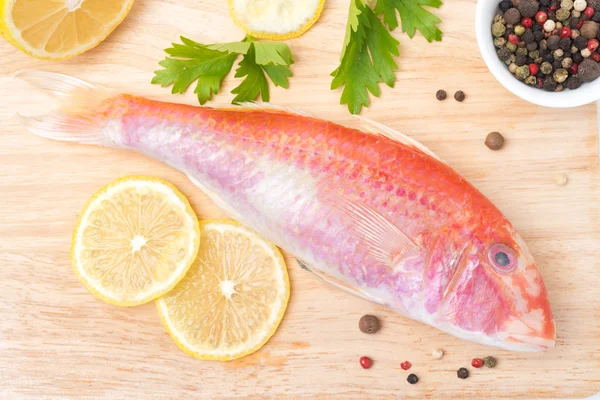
[268, 107]
[384, 241]
[380, 129]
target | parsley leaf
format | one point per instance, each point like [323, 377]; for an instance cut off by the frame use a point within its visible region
[412, 15]
[367, 58]
[210, 64]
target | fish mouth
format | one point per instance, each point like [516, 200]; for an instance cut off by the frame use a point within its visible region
[535, 331]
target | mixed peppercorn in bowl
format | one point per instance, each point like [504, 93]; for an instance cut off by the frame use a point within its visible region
[545, 51]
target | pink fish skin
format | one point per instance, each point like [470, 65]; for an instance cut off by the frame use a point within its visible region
[381, 218]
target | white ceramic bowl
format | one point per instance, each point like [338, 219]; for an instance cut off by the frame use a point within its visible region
[586, 93]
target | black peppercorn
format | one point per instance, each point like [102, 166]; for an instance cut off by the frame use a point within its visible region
[556, 64]
[540, 74]
[459, 96]
[412, 379]
[580, 42]
[565, 44]
[553, 42]
[370, 323]
[528, 60]
[462, 373]
[551, 15]
[573, 82]
[577, 58]
[596, 17]
[549, 58]
[549, 84]
[528, 36]
[531, 46]
[505, 5]
[595, 4]
[555, 4]
[528, 8]
[539, 35]
[504, 54]
[538, 28]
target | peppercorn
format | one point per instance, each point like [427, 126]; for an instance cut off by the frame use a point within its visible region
[462, 373]
[511, 59]
[504, 54]
[558, 54]
[514, 39]
[532, 47]
[561, 179]
[593, 44]
[437, 353]
[545, 3]
[549, 86]
[530, 80]
[549, 58]
[412, 379]
[574, 69]
[512, 16]
[551, 15]
[573, 82]
[589, 29]
[528, 36]
[477, 362]
[559, 26]
[543, 44]
[593, 4]
[595, 57]
[576, 13]
[512, 68]
[574, 49]
[567, 62]
[519, 30]
[559, 88]
[579, 5]
[405, 365]
[554, 42]
[556, 64]
[460, 95]
[521, 52]
[528, 8]
[540, 74]
[565, 44]
[370, 323]
[562, 14]
[588, 12]
[520, 60]
[522, 72]
[522, 45]
[546, 68]
[505, 5]
[498, 29]
[527, 22]
[580, 42]
[560, 75]
[489, 362]
[540, 83]
[538, 35]
[534, 54]
[549, 25]
[500, 18]
[586, 52]
[589, 70]
[499, 42]
[573, 22]
[566, 4]
[365, 362]
[577, 58]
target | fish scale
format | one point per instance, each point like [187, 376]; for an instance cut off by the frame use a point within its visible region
[371, 211]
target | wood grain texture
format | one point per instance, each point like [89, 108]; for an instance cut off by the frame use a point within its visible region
[58, 341]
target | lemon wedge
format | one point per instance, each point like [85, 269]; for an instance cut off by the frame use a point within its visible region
[134, 241]
[233, 297]
[275, 19]
[59, 29]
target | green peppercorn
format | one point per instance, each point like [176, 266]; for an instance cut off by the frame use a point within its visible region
[519, 30]
[513, 67]
[489, 362]
[534, 54]
[522, 52]
[500, 18]
[531, 81]
[546, 68]
[566, 4]
[511, 59]
[499, 42]
[562, 14]
[522, 72]
[560, 75]
[498, 29]
[511, 46]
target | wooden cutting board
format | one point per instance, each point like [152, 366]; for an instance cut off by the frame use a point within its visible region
[58, 341]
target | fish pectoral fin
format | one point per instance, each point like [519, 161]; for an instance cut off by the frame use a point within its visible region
[377, 128]
[385, 242]
[338, 282]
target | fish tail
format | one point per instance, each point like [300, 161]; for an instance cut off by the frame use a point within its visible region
[77, 117]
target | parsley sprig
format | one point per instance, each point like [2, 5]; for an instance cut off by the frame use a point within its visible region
[367, 58]
[210, 64]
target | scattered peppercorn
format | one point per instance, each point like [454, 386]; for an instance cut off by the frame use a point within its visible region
[437, 353]
[561, 179]
[477, 363]
[406, 365]
[489, 362]
[365, 362]
[460, 95]
[494, 141]
[462, 373]
[412, 379]
[594, 4]
[370, 323]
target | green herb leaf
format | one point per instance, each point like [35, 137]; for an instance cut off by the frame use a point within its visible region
[209, 64]
[367, 60]
[412, 15]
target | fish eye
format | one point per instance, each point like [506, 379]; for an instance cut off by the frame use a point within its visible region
[502, 258]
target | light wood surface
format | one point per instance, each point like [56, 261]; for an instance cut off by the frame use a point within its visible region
[58, 341]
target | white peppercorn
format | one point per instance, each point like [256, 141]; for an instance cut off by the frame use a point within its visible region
[558, 53]
[567, 62]
[512, 68]
[586, 52]
[549, 25]
[575, 33]
[579, 5]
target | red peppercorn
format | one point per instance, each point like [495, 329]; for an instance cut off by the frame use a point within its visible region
[596, 57]
[533, 69]
[540, 18]
[580, 24]
[405, 365]
[553, 8]
[477, 362]
[588, 12]
[527, 22]
[540, 83]
[565, 32]
[573, 69]
[366, 362]
[514, 39]
[592, 45]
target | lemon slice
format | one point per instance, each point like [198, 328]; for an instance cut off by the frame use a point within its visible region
[233, 297]
[275, 19]
[135, 239]
[59, 29]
